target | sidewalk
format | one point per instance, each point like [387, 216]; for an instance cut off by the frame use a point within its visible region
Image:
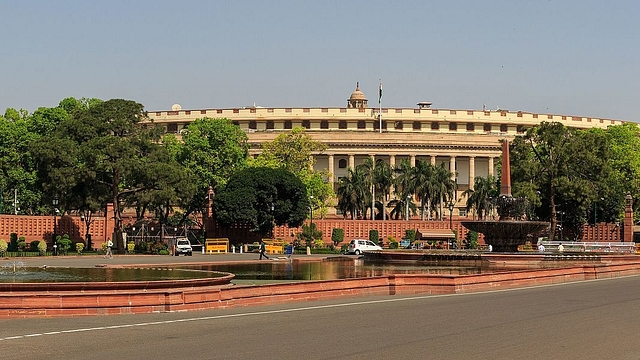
[98, 260]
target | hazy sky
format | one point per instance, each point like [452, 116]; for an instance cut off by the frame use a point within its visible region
[562, 57]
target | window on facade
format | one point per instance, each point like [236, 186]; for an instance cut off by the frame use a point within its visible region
[342, 164]
[270, 125]
[471, 126]
[236, 122]
[398, 125]
[435, 126]
[521, 129]
[504, 128]
[306, 124]
[417, 125]
[252, 125]
[487, 127]
[342, 124]
[172, 128]
[324, 124]
[287, 124]
[453, 126]
[362, 124]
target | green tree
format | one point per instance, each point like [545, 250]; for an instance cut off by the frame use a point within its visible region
[212, 150]
[478, 198]
[261, 197]
[383, 176]
[353, 193]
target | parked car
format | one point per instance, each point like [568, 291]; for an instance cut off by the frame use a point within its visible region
[183, 246]
[358, 246]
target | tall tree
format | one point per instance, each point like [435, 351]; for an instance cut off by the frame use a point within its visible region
[478, 198]
[212, 150]
[262, 197]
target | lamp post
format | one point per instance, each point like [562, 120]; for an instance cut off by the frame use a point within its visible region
[406, 212]
[595, 219]
[55, 230]
[451, 205]
[273, 225]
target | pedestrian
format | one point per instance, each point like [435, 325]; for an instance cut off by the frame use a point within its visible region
[490, 248]
[541, 248]
[109, 254]
[263, 248]
[560, 248]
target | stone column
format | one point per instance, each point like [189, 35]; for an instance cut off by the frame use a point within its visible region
[352, 161]
[491, 165]
[472, 171]
[392, 161]
[331, 169]
[412, 159]
[432, 158]
[452, 166]
[311, 162]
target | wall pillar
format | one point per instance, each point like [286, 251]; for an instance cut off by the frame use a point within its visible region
[452, 166]
[352, 161]
[472, 171]
[331, 169]
[490, 165]
[412, 159]
[432, 158]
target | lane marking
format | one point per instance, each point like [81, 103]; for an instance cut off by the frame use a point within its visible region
[281, 311]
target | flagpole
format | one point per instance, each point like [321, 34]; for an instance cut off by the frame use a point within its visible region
[380, 105]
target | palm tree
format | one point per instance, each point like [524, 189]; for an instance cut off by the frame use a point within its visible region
[478, 198]
[423, 185]
[383, 175]
[352, 193]
[444, 187]
[368, 167]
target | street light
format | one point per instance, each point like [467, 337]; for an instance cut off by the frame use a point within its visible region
[55, 230]
[451, 205]
[406, 212]
[273, 218]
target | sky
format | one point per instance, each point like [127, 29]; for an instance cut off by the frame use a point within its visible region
[578, 58]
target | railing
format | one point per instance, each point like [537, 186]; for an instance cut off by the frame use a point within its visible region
[606, 247]
[216, 246]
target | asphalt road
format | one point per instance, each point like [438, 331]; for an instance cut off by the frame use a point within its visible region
[585, 320]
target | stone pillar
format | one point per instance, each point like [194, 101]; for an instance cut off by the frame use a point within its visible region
[452, 166]
[331, 169]
[491, 165]
[472, 171]
[311, 162]
[392, 161]
[627, 227]
[352, 161]
[412, 159]
[432, 158]
[505, 176]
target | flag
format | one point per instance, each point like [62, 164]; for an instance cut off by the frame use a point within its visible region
[380, 92]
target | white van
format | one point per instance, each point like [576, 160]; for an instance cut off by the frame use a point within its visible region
[183, 246]
[358, 246]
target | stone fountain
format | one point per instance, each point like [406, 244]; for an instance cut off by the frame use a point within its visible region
[509, 231]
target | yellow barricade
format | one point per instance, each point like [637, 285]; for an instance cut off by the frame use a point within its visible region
[274, 246]
[216, 246]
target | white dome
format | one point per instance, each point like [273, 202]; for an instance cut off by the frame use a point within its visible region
[176, 107]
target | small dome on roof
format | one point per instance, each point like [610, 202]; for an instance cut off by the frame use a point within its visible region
[176, 107]
[357, 94]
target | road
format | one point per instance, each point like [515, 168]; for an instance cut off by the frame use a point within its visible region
[585, 320]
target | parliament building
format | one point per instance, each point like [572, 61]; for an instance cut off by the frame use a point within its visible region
[466, 141]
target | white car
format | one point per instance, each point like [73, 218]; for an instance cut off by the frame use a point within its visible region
[183, 246]
[358, 246]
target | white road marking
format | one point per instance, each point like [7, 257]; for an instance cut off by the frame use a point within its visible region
[306, 308]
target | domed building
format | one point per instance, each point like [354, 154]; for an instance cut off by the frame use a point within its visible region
[466, 141]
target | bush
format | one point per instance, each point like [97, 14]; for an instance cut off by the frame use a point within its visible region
[42, 247]
[64, 244]
[393, 245]
[472, 240]
[22, 244]
[344, 248]
[373, 236]
[337, 236]
[33, 246]
[79, 247]
[13, 242]
[3, 247]
[410, 234]
[131, 247]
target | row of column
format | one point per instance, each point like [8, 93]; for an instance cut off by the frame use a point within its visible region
[412, 160]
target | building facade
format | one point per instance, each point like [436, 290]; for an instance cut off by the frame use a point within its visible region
[467, 142]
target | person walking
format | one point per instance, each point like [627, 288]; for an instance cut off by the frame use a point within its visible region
[263, 248]
[109, 254]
